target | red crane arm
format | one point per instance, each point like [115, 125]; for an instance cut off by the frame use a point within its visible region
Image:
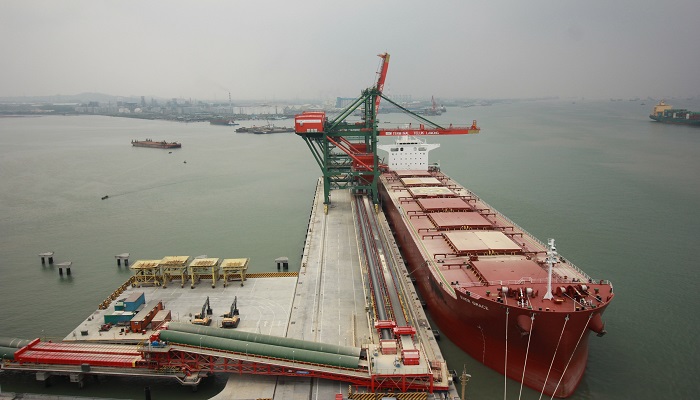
[382, 78]
[423, 131]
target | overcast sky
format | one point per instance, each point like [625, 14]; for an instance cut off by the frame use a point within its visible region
[304, 49]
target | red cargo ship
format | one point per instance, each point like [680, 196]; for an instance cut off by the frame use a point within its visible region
[501, 295]
[504, 297]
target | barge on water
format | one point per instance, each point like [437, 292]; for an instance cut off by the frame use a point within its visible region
[223, 121]
[158, 145]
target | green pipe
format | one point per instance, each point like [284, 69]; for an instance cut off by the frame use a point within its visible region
[13, 342]
[261, 349]
[266, 339]
[7, 353]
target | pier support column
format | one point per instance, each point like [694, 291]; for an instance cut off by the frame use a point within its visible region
[77, 378]
[46, 256]
[42, 376]
[120, 257]
[65, 265]
[282, 262]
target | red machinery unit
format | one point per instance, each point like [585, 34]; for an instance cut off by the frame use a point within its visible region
[309, 121]
[410, 357]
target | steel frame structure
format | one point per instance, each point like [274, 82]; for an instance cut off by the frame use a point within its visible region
[192, 362]
[347, 151]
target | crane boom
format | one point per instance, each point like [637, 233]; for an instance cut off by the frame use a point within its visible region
[382, 78]
[423, 131]
[346, 151]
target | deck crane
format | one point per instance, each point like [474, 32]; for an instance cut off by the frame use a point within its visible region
[347, 151]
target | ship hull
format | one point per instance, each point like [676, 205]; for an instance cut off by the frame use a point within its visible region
[156, 145]
[676, 121]
[223, 122]
[550, 358]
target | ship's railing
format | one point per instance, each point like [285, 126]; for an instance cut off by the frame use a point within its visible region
[519, 228]
[443, 282]
[523, 281]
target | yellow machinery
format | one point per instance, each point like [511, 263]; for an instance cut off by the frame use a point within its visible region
[203, 317]
[234, 269]
[231, 319]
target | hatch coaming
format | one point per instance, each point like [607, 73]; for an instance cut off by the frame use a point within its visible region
[473, 248]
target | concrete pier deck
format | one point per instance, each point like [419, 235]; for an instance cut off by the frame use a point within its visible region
[328, 301]
[330, 304]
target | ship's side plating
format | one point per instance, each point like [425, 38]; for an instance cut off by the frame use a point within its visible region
[484, 280]
[667, 114]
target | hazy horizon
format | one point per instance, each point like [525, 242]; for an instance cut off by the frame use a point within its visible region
[312, 49]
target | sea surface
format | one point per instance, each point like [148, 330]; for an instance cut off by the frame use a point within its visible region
[619, 193]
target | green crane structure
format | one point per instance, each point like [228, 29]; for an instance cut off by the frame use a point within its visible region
[347, 151]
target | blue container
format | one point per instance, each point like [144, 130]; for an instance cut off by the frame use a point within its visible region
[134, 301]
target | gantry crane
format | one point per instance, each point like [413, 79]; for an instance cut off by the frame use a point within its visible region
[347, 151]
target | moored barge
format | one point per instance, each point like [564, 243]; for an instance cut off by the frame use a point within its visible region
[158, 145]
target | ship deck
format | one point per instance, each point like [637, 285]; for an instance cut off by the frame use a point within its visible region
[474, 249]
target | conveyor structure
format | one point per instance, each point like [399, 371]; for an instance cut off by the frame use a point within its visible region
[183, 351]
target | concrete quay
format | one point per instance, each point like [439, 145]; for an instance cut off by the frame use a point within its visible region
[328, 301]
[330, 304]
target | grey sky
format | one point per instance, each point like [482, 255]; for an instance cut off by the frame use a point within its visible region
[273, 50]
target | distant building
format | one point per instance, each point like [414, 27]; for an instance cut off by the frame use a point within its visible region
[343, 102]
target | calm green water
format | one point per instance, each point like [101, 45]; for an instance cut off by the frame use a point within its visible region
[618, 192]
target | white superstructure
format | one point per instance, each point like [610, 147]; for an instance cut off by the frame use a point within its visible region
[408, 153]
